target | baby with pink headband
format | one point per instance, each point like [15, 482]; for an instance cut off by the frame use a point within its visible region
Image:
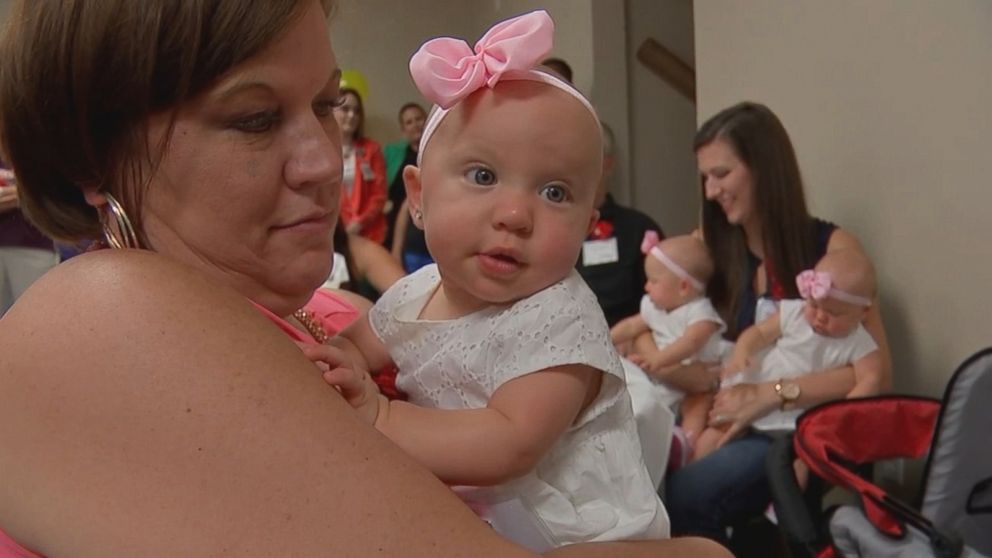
[821, 331]
[682, 324]
[516, 394]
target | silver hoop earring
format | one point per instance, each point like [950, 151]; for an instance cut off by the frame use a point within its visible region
[119, 234]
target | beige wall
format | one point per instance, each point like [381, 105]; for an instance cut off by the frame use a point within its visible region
[653, 124]
[663, 122]
[377, 38]
[889, 104]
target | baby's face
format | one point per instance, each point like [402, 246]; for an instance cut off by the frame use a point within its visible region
[507, 187]
[662, 286]
[833, 318]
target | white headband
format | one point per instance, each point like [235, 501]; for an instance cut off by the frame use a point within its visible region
[676, 268]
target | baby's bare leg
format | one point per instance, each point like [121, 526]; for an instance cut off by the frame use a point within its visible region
[802, 473]
[706, 443]
[694, 410]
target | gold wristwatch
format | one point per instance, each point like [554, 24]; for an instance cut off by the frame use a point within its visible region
[788, 392]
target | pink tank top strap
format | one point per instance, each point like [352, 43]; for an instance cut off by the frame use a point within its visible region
[10, 549]
[333, 313]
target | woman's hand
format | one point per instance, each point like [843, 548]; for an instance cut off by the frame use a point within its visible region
[741, 405]
[8, 196]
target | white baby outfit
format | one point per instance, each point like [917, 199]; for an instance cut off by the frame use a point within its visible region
[798, 351]
[666, 327]
[592, 484]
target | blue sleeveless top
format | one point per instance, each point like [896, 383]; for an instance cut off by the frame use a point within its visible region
[749, 299]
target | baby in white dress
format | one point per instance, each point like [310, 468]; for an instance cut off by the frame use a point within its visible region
[516, 394]
[821, 331]
[684, 328]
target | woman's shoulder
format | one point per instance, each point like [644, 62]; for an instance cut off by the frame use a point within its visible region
[112, 285]
[105, 313]
[840, 239]
[109, 311]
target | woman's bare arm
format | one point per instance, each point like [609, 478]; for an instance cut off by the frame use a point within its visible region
[742, 404]
[878, 378]
[697, 377]
[375, 263]
[171, 419]
[8, 198]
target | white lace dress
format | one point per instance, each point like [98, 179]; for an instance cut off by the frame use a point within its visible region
[592, 484]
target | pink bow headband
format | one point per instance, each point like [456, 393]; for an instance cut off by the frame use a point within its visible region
[446, 70]
[818, 285]
[650, 246]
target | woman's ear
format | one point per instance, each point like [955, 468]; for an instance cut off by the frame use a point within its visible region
[94, 195]
[414, 191]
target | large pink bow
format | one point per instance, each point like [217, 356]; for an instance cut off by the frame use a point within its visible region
[650, 240]
[446, 70]
[814, 284]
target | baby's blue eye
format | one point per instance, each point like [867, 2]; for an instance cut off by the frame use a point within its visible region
[482, 176]
[555, 193]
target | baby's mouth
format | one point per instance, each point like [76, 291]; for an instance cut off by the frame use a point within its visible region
[503, 258]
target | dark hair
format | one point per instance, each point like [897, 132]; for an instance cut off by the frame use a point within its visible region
[360, 131]
[760, 141]
[408, 106]
[560, 66]
[80, 79]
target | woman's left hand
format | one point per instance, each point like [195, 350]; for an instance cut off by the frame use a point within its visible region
[740, 405]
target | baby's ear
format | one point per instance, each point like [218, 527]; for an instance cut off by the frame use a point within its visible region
[864, 312]
[411, 179]
[414, 190]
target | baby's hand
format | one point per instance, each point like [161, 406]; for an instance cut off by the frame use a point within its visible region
[647, 363]
[353, 383]
[736, 364]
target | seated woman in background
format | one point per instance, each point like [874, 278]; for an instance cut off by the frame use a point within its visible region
[176, 417]
[364, 194]
[761, 236]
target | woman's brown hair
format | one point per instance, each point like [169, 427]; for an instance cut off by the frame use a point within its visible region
[79, 79]
[760, 141]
